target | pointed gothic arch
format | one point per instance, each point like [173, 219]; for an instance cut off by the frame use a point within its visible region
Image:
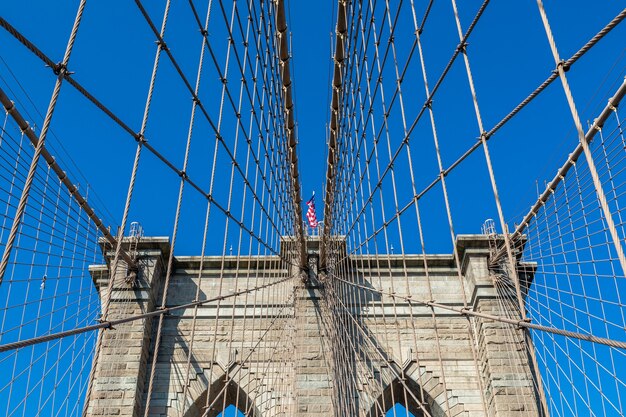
[394, 394]
[233, 394]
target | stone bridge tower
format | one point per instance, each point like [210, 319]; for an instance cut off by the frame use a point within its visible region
[439, 364]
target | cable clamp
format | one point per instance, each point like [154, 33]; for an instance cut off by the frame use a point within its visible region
[165, 310]
[561, 64]
[9, 110]
[59, 68]
[162, 44]
[107, 323]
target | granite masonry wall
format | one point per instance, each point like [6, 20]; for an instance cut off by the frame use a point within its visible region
[458, 366]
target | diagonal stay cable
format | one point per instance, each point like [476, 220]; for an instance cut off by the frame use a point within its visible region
[266, 331]
[10, 108]
[378, 350]
[196, 98]
[251, 98]
[59, 70]
[613, 102]
[139, 138]
[611, 25]
[601, 195]
[427, 103]
[569, 163]
[567, 64]
[515, 322]
[110, 324]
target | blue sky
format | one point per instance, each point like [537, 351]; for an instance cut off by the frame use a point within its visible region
[506, 67]
[113, 58]
[509, 53]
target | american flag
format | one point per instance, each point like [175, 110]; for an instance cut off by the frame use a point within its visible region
[310, 213]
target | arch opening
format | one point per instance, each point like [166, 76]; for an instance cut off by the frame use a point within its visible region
[398, 410]
[231, 411]
[227, 399]
[399, 400]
